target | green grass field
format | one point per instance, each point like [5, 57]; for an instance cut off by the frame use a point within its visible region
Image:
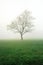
[24, 52]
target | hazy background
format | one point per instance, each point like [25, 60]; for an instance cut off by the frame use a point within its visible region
[9, 9]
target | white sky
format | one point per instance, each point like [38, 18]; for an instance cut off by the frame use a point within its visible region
[9, 9]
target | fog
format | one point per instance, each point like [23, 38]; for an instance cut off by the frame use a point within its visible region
[10, 9]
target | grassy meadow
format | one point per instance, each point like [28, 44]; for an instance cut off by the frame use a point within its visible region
[21, 52]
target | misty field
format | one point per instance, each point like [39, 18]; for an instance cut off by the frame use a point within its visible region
[24, 52]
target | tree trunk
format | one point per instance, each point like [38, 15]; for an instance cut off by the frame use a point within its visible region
[21, 37]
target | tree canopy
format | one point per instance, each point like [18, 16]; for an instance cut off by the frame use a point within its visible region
[22, 24]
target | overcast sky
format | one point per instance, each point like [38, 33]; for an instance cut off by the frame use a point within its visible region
[10, 9]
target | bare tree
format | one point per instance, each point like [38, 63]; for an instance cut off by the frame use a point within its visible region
[22, 24]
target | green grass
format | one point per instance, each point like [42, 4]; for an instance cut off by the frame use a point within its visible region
[24, 52]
